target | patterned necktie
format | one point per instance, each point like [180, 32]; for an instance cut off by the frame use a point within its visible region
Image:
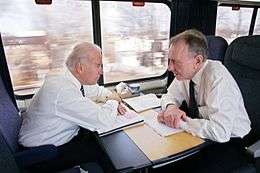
[193, 107]
[82, 91]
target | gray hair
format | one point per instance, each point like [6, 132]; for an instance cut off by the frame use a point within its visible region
[80, 54]
[196, 41]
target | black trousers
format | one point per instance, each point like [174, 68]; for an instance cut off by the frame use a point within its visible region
[216, 158]
[81, 149]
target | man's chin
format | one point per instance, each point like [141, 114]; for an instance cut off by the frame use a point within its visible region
[178, 77]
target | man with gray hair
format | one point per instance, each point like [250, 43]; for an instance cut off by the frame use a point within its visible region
[67, 102]
[201, 101]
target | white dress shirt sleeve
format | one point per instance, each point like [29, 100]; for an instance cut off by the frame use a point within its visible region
[219, 113]
[174, 95]
[103, 93]
[83, 111]
[97, 93]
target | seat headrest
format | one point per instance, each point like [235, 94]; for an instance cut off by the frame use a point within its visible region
[217, 47]
[245, 51]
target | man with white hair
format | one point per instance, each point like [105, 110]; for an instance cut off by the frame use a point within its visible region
[200, 100]
[67, 102]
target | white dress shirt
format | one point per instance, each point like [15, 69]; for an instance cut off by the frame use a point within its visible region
[58, 109]
[221, 106]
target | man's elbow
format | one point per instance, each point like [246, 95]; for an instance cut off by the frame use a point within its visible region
[222, 136]
[222, 140]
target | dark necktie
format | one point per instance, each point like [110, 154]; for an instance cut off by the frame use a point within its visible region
[82, 91]
[193, 107]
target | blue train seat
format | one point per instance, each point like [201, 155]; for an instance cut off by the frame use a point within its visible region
[242, 59]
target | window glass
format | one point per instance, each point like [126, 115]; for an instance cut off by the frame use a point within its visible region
[233, 23]
[257, 23]
[134, 40]
[37, 38]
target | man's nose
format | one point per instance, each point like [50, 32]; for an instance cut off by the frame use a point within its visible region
[170, 67]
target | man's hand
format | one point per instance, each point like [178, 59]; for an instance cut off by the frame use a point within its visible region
[160, 117]
[121, 110]
[172, 116]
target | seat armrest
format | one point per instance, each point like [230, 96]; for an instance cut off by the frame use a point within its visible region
[255, 149]
[72, 170]
[35, 155]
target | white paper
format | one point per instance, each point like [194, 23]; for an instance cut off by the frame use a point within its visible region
[144, 102]
[129, 119]
[151, 120]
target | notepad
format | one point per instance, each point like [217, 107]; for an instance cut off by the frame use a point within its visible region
[150, 118]
[144, 102]
[128, 120]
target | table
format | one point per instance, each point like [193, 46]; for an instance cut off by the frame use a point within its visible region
[140, 148]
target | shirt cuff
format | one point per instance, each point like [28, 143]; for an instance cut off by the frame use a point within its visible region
[185, 125]
[165, 104]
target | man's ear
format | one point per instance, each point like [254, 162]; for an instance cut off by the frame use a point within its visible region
[199, 59]
[78, 68]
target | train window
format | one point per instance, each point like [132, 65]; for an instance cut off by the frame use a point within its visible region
[257, 23]
[134, 40]
[233, 23]
[37, 38]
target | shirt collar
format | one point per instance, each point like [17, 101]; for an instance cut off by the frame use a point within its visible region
[197, 77]
[72, 78]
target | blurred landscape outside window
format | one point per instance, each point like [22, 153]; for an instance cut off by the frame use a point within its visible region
[134, 40]
[37, 38]
[257, 23]
[233, 23]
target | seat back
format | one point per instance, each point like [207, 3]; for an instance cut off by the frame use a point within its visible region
[4, 73]
[242, 59]
[10, 120]
[217, 47]
[7, 161]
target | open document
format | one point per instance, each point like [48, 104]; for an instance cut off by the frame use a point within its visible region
[150, 118]
[144, 102]
[128, 120]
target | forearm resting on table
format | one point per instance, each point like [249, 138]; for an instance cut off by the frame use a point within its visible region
[114, 96]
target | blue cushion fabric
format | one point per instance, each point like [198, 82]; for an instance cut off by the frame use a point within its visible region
[217, 47]
[242, 59]
[10, 121]
[73, 170]
[35, 155]
[7, 162]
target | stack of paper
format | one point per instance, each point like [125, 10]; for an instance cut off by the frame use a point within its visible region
[150, 119]
[129, 119]
[142, 103]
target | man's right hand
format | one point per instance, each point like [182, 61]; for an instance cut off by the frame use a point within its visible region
[160, 117]
[172, 116]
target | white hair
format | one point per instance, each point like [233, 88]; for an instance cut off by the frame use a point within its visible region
[80, 54]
